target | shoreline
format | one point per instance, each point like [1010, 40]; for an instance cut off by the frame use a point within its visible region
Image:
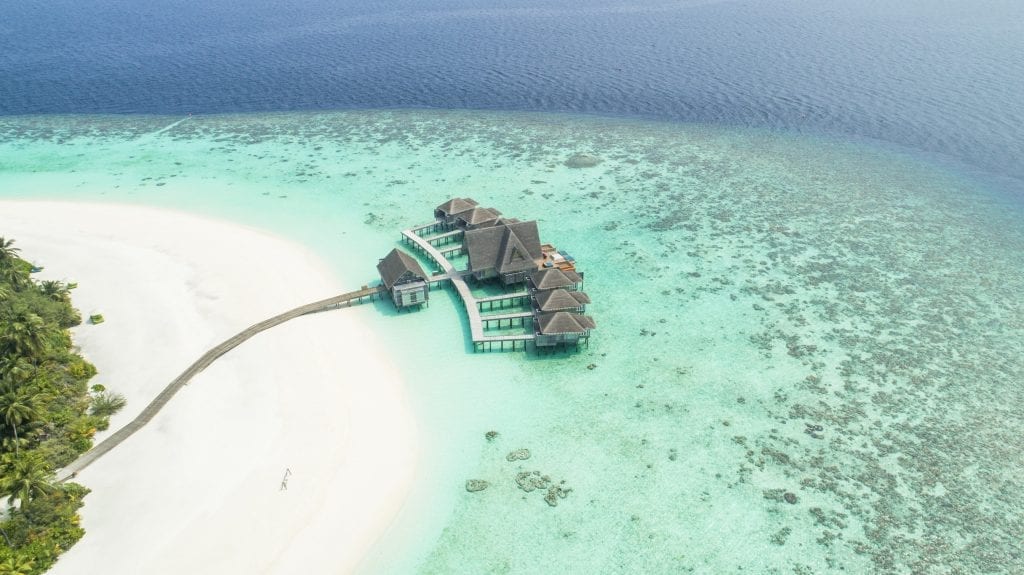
[300, 400]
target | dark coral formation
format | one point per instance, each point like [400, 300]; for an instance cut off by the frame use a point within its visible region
[582, 161]
[518, 455]
[474, 485]
[530, 481]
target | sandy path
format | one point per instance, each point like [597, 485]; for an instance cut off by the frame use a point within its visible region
[199, 489]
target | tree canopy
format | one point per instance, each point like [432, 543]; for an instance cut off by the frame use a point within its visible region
[48, 415]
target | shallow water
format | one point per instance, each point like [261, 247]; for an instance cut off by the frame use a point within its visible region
[777, 314]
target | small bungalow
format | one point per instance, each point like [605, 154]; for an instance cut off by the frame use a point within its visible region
[562, 327]
[560, 300]
[509, 252]
[447, 211]
[477, 218]
[554, 278]
[404, 279]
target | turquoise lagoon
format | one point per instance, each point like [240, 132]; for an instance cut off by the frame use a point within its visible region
[809, 356]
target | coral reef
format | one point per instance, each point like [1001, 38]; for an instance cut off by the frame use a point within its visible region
[518, 455]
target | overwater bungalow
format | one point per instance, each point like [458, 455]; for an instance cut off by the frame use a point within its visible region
[554, 278]
[559, 300]
[508, 252]
[447, 212]
[561, 327]
[404, 278]
[501, 249]
[477, 217]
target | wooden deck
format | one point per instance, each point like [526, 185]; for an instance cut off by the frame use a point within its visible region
[154, 407]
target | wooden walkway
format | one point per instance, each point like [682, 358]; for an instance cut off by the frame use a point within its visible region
[444, 238]
[476, 327]
[154, 407]
[517, 298]
[457, 249]
[471, 303]
[487, 343]
[503, 317]
[432, 226]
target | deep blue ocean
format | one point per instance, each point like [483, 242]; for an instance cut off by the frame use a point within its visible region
[943, 77]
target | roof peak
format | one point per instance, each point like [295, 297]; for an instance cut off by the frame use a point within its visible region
[395, 264]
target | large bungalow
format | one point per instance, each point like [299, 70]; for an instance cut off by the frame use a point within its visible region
[506, 251]
[404, 279]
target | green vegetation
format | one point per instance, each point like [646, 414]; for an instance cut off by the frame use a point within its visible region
[48, 416]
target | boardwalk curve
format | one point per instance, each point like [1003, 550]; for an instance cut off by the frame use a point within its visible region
[154, 407]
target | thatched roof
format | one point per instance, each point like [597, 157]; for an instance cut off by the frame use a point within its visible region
[397, 264]
[456, 206]
[554, 278]
[505, 248]
[559, 299]
[573, 276]
[479, 216]
[563, 322]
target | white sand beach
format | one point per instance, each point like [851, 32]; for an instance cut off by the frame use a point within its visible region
[199, 490]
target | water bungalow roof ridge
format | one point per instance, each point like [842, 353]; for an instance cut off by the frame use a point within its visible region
[456, 206]
[476, 216]
[560, 299]
[553, 278]
[560, 322]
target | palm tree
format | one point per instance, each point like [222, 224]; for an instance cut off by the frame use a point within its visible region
[55, 290]
[14, 275]
[17, 407]
[10, 270]
[25, 334]
[17, 565]
[5, 292]
[8, 253]
[107, 403]
[25, 478]
[17, 367]
[8, 444]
